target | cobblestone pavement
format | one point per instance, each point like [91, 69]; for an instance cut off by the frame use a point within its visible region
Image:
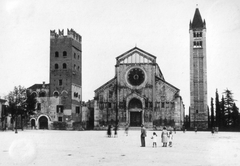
[90, 148]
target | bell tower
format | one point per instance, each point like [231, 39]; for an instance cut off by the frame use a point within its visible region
[198, 111]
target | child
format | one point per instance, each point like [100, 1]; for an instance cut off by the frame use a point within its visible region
[170, 136]
[154, 137]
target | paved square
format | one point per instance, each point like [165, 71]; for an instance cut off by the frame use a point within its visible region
[80, 148]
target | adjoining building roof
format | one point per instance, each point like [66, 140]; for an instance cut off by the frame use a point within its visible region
[37, 86]
[2, 100]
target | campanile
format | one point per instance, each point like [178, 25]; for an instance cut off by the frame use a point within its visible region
[198, 111]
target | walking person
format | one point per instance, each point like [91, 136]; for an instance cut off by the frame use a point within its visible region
[126, 129]
[143, 135]
[170, 138]
[154, 137]
[212, 130]
[164, 137]
[109, 132]
[195, 129]
[115, 131]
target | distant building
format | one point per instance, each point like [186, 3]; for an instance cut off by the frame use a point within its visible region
[60, 100]
[198, 72]
[138, 94]
[3, 114]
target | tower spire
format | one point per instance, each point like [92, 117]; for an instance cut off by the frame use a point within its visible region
[197, 20]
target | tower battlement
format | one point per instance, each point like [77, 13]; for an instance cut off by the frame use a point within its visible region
[70, 33]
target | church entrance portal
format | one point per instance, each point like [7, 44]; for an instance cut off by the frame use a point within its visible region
[135, 108]
[135, 118]
[43, 122]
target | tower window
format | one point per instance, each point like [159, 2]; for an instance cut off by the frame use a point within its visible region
[197, 44]
[56, 54]
[74, 55]
[56, 66]
[60, 82]
[78, 110]
[64, 66]
[74, 67]
[59, 108]
[78, 68]
[78, 56]
[60, 119]
[64, 54]
[38, 106]
[162, 104]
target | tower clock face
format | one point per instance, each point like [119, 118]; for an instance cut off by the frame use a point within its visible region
[136, 76]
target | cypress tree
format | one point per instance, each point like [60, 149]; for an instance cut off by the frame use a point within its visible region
[217, 111]
[229, 101]
[212, 113]
[235, 116]
[222, 113]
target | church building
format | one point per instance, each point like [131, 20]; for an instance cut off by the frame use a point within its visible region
[198, 110]
[138, 94]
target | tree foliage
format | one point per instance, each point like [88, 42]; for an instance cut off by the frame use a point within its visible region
[21, 102]
[227, 113]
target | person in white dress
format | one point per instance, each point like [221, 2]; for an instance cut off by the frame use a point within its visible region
[154, 137]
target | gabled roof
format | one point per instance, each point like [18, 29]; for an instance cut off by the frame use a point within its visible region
[157, 78]
[104, 85]
[141, 52]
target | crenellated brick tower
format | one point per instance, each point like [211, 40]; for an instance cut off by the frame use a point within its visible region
[66, 73]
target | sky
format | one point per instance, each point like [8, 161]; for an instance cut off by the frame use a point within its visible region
[109, 28]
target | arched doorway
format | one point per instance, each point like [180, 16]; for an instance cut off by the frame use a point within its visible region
[135, 109]
[43, 122]
[33, 123]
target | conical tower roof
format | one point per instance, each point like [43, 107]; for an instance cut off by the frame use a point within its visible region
[197, 20]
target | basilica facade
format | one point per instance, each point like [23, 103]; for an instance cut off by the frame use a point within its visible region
[138, 94]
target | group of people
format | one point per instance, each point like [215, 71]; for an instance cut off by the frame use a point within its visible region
[109, 131]
[166, 137]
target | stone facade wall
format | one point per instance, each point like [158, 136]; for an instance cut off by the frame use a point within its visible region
[159, 101]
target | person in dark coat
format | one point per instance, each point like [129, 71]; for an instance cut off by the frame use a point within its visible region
[109, 132]
[143, 135]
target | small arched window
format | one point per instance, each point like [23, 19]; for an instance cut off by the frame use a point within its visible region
[56, 66]
[74, 55]
[74, 67]
[42, 94]
[55, 94]
[64, 66]
[56, 54]
[78, 68]
[64, 53]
